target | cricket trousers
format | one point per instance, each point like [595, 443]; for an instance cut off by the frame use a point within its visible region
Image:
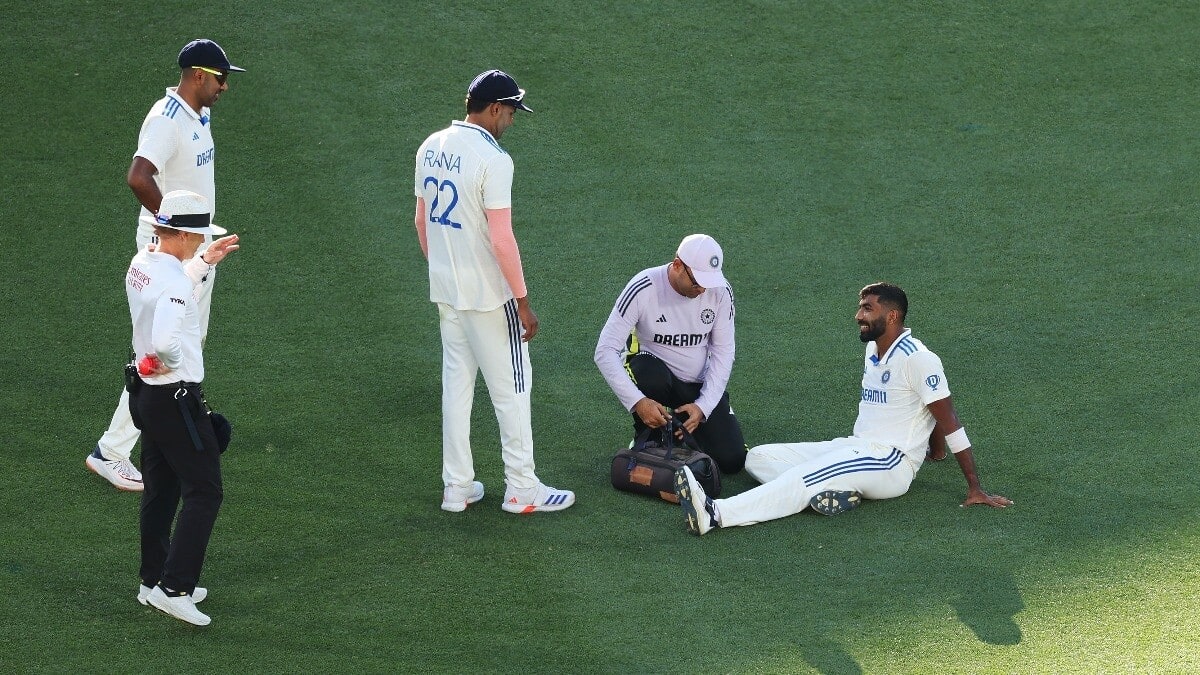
[719, 436]
[487, 342]
[793, 473]
[174, 469]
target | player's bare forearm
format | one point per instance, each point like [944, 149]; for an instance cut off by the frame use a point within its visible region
[975, 493]
[141, 181]
[937, 446]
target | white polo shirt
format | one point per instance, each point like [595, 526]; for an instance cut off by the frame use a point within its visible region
[178, 142]
[694, 337]
[166, 320]
[896, 392]
[460, 171]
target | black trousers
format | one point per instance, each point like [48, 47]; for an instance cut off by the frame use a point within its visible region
[173, 468]
[720, 436]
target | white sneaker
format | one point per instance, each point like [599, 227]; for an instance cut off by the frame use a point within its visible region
[698, 509]
[182, 607]
[198, 594]
[541, 498]
[120, 472]
[457, 499]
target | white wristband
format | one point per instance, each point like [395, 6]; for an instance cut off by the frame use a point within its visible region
[958, 441]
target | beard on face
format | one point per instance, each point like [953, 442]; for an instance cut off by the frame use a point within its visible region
[873, 330]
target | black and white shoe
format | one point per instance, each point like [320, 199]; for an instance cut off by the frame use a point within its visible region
[833, 502]
[698, 510]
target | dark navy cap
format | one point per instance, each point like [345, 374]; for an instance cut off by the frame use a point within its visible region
[497, 86]
[206, 54]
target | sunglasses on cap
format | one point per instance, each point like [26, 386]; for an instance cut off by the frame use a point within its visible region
[220, 76]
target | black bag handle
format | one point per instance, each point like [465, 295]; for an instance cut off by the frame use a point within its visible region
[667, 435]
[689, 441]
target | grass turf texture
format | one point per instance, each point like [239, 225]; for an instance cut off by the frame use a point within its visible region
[1026, 170]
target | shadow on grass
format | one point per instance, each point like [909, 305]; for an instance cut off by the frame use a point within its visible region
[990, 607]
[830, 658]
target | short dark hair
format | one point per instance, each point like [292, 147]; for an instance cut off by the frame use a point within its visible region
[474, 106]
[888, 294]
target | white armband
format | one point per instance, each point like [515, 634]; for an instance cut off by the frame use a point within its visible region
[958, 441]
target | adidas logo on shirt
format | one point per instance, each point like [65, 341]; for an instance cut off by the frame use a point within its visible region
[662, 318]
[195, 136]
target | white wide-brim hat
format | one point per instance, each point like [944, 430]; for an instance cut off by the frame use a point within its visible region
[184, 211]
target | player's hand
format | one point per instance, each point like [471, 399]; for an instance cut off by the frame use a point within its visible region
[694, 416]
[652, 413]
[981, 497]
[150, 365]
[529, 320]
[220, 248]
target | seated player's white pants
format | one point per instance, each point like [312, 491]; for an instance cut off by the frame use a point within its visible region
[792, 473]
[489, 342]
[118, 441]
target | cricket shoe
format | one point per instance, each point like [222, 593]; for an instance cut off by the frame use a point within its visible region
[457, 499]
[833, 502]
[199, 593]
[698, 510]
[541, 498]
[120, 472]
[181, 607]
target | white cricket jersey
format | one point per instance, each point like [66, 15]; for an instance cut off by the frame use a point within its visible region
[896, 392]
[694, 337]
[165, 315]
[178, 142]
[460, 171]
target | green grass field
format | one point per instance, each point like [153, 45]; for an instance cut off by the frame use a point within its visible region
[1026, 170]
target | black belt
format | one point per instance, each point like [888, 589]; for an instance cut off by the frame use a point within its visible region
[175, 385]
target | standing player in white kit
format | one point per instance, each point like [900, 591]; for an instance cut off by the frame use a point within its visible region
[463, 185]
[904, 398]
[175, 152]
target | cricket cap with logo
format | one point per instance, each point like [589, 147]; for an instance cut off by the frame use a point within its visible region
[703, 255]
[497, 86]
[204, 53]
[184, 211]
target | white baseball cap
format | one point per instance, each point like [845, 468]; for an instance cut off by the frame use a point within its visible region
[185, 211]
[703, 255]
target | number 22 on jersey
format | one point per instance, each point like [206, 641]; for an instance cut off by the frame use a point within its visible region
[443, 188]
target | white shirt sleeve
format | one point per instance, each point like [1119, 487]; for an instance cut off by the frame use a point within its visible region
[720, 356]
[497, 182]
[158, 140]
[925, 374]
[611, 347]
[169, 312]
[197, 270]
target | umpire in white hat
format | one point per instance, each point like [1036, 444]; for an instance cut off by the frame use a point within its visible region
[181, 454]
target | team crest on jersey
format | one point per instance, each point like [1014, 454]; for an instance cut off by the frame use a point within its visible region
[887, 375]
[708, 316]
[933, 381]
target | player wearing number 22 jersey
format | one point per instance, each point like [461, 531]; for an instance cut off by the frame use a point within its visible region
[463, 185]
